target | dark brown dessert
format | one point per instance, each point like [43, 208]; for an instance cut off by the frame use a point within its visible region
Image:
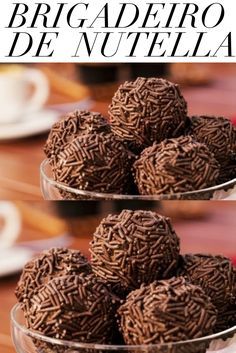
[228, 169]
[226, 319]
[147, 110]
[217, 276]
[134, 247]
[175, 166]
[78, 308]
[160, 297]
[47, 265]
[217, 133]
[95, 162]
[74, 124]
[227, 172]
[166, 311]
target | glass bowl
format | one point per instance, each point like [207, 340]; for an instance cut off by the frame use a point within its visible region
[27, 341]
[53, 190]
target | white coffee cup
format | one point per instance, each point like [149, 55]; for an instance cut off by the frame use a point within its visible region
[21, 92]
[11, 224]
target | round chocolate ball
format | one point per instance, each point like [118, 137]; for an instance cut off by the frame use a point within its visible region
[215, 274]
[78, 308]
[72, 125]
[217, 133]
[228, 168]
[226, 319]
[227, 172]
[166, 311]
[47, 265]
[95, 162]
[147, 110]
[132, 248]
[175, 166]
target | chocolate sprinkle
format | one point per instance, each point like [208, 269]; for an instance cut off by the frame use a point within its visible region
[78, 308]
[71, 126]
[226, 319]
[147, 110]
[228, 169]
[166, 311]
[175, 166]
[134, 247]
[227, 172]
[135, 255]
[215, 274]
[47, 265]
[217, 133]
[95, 162]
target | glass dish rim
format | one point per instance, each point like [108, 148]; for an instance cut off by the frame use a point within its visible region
[104, 347]
[99, 195]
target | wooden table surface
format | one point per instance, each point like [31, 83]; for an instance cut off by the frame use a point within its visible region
[213, 233]
[20, 159]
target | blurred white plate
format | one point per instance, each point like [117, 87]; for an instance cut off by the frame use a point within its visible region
[36, 123]
[40, 121]
[12, 260]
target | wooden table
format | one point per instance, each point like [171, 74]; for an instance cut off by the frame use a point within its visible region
[20, 160]
[213, 233]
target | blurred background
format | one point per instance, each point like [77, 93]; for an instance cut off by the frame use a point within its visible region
[27, 228]
[33, 97]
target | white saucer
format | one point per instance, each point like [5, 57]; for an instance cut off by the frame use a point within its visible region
[12, 260]
[36, 123]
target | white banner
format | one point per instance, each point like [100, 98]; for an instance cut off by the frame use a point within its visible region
[117, 31]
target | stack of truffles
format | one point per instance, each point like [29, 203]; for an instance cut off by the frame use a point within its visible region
[148, 146]
[136, 290]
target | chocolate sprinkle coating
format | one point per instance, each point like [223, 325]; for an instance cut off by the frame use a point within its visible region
[78, 308]
[227, 314]
[217, 133]
[95, 162]
[226, 319]
[227, 172]
[166, 311]
[47, 265]
[228, 168]
[134, 247]
[147, 110]
[71, 126]
[215, 274]
[175, 166]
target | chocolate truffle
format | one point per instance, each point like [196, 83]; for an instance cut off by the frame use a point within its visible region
[134, 247]
[95, 162]
[147, 110]
[226, 319]
[166, 311]
[228, 168]
[227, 172]
[47, 265]
[175, 166]
[78, 308]
[217, 133]
[72, 125]
[215, 274]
